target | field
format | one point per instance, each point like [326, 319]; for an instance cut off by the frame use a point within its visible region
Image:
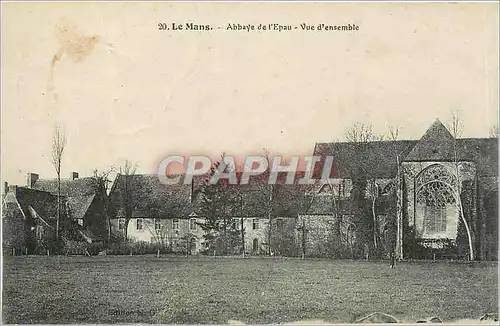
[124, 289]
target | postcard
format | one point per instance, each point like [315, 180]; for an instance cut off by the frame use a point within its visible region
[249, 162]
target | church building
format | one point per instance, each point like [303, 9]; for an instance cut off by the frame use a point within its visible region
[433, 196]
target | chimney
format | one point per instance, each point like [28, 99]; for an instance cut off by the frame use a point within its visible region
[6, 187]
[31, 179]
[74, 175]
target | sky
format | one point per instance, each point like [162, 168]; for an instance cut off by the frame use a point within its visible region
[124, 90]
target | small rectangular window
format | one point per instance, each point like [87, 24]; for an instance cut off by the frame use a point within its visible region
[121, 224]
[157, 224]
[279, 224]
[139, 224]
[175, 224]
[192, 224]
[255, 224]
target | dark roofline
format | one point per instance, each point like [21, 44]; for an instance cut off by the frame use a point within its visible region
[281, 178]
[440, 160]
[38, 190]
[368, 142]
[478, 138]
[63, 179]
[399, 140]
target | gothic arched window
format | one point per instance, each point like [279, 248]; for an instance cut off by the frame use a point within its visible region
[435, 193]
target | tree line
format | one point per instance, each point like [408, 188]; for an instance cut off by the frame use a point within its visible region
[221, 204]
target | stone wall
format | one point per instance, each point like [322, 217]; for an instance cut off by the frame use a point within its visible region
[318, 229]
[325, 238]
[415, 212]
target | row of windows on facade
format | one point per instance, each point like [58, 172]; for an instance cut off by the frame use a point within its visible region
[192, 224]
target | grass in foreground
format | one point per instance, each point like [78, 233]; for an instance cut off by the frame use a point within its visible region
[146, 289]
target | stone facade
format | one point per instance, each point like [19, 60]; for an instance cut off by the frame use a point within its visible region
[428, 192]
[172, 232]
[445, 175]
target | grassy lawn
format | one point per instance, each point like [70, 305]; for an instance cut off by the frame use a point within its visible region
[123, 289]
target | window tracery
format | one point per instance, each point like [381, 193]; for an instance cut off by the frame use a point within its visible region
[435, 172]
[435, 193]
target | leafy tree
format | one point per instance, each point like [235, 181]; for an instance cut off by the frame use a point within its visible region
[219, 206]
[102, 184]
[365, 216]
[362, 214]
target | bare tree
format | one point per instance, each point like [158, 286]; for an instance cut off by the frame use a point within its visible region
[394, 135]
[58, 145]
[127, 188]
[374, 193]
[360, 133]
[269, 200]
[270, 191]
[394, 132]
[456, 127]
[164, 240]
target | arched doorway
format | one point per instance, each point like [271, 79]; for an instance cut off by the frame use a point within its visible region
[255, 245]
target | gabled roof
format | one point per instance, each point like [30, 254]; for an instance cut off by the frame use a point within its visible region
[79, 193]
[78, 206]
[150, 198]
[146, 196]
[71, 188]
[482, 151]
[44, 203]
[325, 201]
[378, 159]
[11, 207]
[41, 206]
[43, 220]
[437, 144]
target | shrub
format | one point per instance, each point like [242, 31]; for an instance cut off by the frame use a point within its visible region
[114, 248]
[137, 248]
[75, 247]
